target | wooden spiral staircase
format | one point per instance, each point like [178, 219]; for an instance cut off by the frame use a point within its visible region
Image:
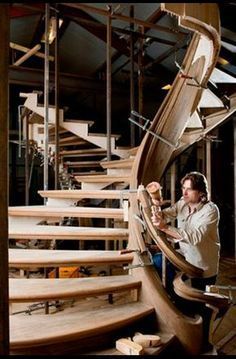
[98, 310]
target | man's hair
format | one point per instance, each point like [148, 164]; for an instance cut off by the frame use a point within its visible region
[199, 183]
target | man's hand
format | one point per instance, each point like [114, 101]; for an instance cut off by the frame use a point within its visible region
[157, 218]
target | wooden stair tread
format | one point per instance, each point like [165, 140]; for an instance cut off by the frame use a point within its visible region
[66, 232]
[56, 212]
[102, 178]
[123, 163]
[98, 134]
[51, 130]
[79, 194]
[26, 331]
[84, 152]
[20, 258]
[82, 164]
[75, 120]
[27, 290]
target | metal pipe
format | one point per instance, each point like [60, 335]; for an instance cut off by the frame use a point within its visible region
[140, 80]
[46, 98]
[132, 127]
[108, 84]
[19, 129]
[56, 167]
[27, 160]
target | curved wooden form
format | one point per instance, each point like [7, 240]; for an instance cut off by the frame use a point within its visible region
[186, 291]
[154, 156]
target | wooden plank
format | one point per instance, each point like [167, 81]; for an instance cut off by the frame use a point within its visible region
[26, 258]
[221, 343]
[33, 290]
[97, 134]
[102, 179]
[84, 153]
[82, 164]
[80, 194]
[60, 212]
[67, 233]
[123, 163]
[26, 331]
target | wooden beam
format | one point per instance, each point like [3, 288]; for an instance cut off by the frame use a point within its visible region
[28, 54]
[124, 18]
[18, 47]
[4, 61]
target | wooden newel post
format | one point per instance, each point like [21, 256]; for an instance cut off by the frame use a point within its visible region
[4, 61]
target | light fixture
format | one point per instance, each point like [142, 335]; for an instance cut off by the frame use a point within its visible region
[166, 87]
[52, 29]
[222, 61]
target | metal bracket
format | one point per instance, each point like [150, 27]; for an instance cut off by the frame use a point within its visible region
[187, 77]
[144, 127]
[141, 264]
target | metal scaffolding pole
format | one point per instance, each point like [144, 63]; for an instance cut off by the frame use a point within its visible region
[27, 160]
[132, 126]
[4, 63]
[140, 81]
[108, 99]
[46, 97]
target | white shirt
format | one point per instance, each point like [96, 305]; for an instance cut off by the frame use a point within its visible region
[200, 243]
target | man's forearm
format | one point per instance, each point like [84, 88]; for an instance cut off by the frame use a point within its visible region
[170, 232]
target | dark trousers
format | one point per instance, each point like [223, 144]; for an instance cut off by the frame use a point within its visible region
[200, 283]
[170, 272]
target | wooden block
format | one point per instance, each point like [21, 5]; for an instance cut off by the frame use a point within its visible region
[147, 340]
[127, 347]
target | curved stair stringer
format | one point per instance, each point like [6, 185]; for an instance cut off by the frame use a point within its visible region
[187, 330]
[154, 154]
[180, 102]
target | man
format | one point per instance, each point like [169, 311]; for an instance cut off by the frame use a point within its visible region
[197, 227]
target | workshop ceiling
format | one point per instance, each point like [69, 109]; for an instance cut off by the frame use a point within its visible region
[82, 48]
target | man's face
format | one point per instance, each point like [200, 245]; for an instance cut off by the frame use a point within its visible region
[190, 195]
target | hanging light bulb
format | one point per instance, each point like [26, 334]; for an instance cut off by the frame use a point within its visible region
[52, 29]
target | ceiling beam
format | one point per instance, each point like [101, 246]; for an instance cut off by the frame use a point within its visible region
[129, 19]
[18, 47]
[35, 78]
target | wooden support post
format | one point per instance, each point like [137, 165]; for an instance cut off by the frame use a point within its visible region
[4, 63]
[234, 122]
